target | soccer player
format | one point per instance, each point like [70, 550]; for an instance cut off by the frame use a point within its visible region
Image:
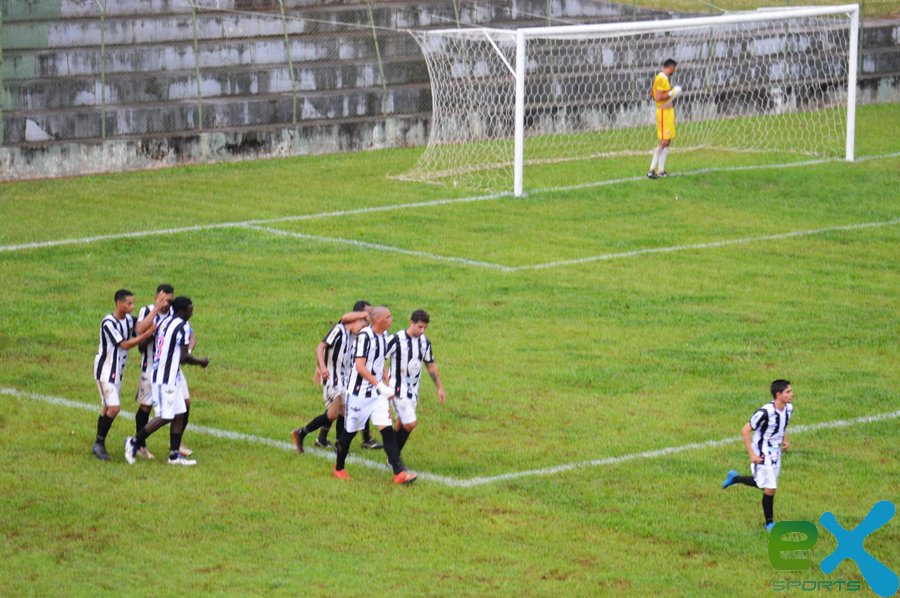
[663, 94]
[768, 425]
[408, 350]
[172, 342]
[117, 336]
[152, 314]
[368, 395]
[368, 442]
[333, 362]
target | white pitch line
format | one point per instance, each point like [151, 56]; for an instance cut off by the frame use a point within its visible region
[477, 481]
[709, 245]
[247, 223]
[387, 248]
[405, 206]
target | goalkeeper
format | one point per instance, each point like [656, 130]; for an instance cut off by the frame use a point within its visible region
[368, 395]
[664, 95]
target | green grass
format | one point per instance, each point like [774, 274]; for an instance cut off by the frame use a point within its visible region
[542, 367]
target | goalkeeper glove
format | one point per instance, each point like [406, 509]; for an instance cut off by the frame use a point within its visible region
[384, 391]
[676, 91]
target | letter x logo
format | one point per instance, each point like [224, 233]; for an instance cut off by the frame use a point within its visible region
[882, 580]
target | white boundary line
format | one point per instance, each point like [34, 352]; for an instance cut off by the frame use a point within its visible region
[709, 245]
[477, 481]
[392, 207]
[388, 248]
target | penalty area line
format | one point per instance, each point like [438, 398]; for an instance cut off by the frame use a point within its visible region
[477, 481]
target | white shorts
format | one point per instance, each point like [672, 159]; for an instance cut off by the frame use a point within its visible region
[168, 400]
[765, 474]
[185, 393]
[359, 409]
[109, 393]
[330, 392]
[144, 394]
[405, 409]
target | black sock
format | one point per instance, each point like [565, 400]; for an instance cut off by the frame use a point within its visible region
[338, 427]
[343, 446]
[140, 439]
[402, 437]
[315, 424]
[323, 432]
[140, 420]
[768, 503]
[389, 439]
[174, 444]
[367, 435]
[104, 423]
[187, 414]
[746, 480]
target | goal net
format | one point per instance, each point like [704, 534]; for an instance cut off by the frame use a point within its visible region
[777, 82]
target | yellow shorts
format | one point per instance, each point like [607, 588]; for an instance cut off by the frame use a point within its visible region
[665, 123]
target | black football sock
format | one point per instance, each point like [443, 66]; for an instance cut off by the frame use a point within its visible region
[187, 414]
[323, 431]
[316, 423]
[402, 437]
[367, 435]
[104, 423]
[768, 504]
[338, 427]
[746, 480]
[140, 420]
[343, 446]
[174, 444]
[389, 439]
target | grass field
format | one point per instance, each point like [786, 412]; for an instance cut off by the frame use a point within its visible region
[569, 326]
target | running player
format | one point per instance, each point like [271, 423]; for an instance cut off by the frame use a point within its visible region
[408, 350]
[768, 425]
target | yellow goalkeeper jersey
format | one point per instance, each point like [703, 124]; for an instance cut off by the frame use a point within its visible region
[660, 83]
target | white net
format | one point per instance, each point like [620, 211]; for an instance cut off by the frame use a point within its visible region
[774, 87]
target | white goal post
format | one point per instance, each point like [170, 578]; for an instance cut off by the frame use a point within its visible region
[779, 82]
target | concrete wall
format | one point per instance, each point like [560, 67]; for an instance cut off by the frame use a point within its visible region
[154, 109]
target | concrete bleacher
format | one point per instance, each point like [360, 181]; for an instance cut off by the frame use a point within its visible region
[152, 109]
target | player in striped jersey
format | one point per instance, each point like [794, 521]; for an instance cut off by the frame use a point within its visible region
[768, 425]
[333, 362]
[368, 395]
[153, 314]
[664, 95]
[408, 350]
[117, 335]
[172, 343]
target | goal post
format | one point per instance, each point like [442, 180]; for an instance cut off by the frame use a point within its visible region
[779, 82]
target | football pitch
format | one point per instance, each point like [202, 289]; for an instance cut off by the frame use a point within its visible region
[601, 346]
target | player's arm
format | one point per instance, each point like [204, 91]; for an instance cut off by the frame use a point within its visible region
[784, 442]
[384, 391]
[436, 377]
[189, 359]
[159, 304]
[321, 368]
[136, 340]
[352, 316]
[747, 435]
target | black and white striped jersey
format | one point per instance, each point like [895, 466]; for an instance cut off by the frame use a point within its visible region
[768, 425]
[407, 354]
[338, 358]
[373, 347]
[172, 334]
[110, 360]
[147, 354]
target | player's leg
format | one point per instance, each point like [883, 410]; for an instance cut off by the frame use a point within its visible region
[109, 408]
[357, 414]
[186, 395]
[140, 439]
[174, 409]
[369, 442]
[668, 136]
[406, 420]
[659, 147]
[144, 399]
[381, 418]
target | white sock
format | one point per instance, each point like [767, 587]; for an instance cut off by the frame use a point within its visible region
[655, 159]
[662, 159]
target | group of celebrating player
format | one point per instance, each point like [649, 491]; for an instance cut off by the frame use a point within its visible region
[166, 341]
[358, 386]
